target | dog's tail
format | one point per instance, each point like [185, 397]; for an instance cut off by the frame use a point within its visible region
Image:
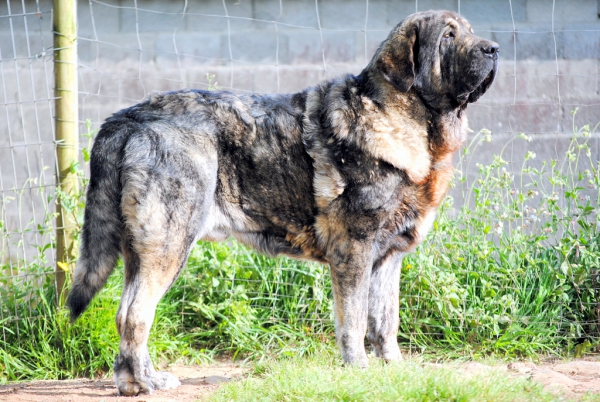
[102, 228]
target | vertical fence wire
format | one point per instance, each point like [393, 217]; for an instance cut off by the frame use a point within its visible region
[26, 158]
[129, 48]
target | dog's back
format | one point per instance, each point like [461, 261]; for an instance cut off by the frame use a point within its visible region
[349, 173]
[156, 147]
[230, 165]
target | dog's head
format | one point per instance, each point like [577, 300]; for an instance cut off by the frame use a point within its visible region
[437, 54]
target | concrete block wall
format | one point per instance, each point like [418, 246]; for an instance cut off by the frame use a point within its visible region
[550, 62]
[549, 52]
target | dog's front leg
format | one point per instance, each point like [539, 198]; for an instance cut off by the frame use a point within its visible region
[350, 280]
[383, 307]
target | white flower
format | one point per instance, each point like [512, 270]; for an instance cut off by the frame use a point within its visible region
[530, 155]
[499, 227]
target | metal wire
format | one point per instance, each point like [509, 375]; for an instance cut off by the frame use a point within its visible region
[128, 50]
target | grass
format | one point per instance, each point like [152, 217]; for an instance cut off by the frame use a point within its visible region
[512, 270]
[324, 379]
[229, 301]
[515, 271]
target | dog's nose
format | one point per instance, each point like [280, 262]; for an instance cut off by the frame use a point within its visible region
[490, 48]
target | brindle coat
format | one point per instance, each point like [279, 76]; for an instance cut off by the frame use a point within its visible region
[349, 173]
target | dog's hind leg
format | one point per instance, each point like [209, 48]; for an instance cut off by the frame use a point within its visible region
[153, 261]
[147, 278]
[383, 308]
[164, 210]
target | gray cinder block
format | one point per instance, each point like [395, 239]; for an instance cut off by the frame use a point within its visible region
[291, 14]
[255, 47]
[579, 41]
[151, 16]
[213, 15]
[494, 11]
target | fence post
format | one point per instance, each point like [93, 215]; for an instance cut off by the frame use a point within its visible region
[66, 120]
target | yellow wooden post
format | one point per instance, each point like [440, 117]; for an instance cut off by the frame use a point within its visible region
[66, 123]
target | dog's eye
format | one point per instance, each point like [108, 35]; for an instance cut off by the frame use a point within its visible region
[449, 35]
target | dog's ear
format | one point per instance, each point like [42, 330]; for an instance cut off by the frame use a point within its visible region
[397, 57]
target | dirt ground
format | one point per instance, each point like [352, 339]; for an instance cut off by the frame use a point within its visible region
[196, 383]
[571, 379]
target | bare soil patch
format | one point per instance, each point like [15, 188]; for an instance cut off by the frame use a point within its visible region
[196, 382]
[570, 379]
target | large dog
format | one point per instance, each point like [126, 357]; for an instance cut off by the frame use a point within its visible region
[349, 173]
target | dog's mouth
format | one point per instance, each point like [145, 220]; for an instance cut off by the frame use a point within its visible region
[484, 85]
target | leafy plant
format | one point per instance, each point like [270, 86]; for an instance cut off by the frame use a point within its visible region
[511, 268]
[514, 270]
[322, 378]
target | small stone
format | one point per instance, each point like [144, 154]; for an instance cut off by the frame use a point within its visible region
[580, 367]
[216, 379]
[155, 399]
[475, 368]
[522, 367]
[554, 381]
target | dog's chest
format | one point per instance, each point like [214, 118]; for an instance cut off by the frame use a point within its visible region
[395, 136]
[413, 208]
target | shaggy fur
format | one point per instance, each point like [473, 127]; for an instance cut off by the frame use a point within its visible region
[349, 173]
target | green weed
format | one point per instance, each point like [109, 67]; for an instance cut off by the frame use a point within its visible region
[512, 269]
[515, 270]
[324, 379]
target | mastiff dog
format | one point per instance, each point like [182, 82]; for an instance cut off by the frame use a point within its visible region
[349, 173]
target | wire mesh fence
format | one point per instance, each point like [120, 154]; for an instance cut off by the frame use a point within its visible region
[455, 289]
[27, 154]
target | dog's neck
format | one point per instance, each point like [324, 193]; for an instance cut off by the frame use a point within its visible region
[440, 133]
[447, 121]
[447, 132]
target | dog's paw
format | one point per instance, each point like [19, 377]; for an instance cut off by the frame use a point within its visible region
[163, 380]
[128, 386]
[392, 357]
[360, 361]
[390, 353]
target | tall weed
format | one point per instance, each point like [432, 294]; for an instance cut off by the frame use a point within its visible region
[510, 269]
[514, 269]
